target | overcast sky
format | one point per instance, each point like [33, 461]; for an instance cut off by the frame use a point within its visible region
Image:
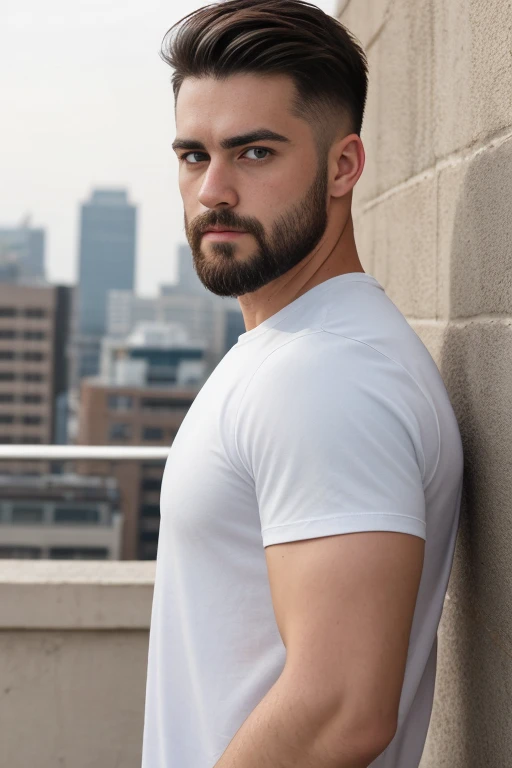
[86, 101]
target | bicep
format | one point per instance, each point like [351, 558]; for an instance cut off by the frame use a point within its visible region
[344, 606]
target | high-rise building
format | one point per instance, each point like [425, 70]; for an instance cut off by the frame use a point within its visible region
[106, 262]
[22, 251]
[188, 281]
[125, 310]
[34, 324]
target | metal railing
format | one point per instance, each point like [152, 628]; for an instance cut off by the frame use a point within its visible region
[69, 452]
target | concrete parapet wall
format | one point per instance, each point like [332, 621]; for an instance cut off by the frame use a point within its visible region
[73, 661]
[433, 223]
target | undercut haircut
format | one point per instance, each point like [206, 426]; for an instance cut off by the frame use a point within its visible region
[277, 37]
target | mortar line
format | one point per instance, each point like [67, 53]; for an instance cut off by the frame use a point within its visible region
[458, 157]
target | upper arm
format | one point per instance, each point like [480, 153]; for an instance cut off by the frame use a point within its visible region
[339, 440]
[344, 606]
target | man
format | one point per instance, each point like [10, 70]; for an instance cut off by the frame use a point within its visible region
[310, 501]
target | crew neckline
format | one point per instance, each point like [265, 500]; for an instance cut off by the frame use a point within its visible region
[277, 317]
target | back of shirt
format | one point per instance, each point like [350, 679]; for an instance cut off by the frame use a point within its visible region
[329, 417]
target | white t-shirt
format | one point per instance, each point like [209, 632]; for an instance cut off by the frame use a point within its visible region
[329, 417]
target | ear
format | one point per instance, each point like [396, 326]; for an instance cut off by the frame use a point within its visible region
[346, 163]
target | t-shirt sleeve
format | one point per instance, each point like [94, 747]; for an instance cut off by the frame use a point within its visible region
[332, 440]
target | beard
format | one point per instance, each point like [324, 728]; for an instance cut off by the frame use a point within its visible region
[292, 238]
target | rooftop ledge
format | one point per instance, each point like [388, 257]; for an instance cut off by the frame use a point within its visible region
[76, 594]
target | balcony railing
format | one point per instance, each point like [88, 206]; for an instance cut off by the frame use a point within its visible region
[69, 452]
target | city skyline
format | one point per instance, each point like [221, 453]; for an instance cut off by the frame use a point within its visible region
[88, 104]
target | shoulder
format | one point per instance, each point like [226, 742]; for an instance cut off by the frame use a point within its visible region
[319, 380]
[320, 362]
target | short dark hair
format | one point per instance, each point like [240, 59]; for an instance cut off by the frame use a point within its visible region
[271, 37]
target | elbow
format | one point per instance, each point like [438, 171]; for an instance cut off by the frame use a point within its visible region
[342, 726]
[363, 740]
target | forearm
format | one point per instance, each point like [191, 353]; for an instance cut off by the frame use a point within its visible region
[286, 731]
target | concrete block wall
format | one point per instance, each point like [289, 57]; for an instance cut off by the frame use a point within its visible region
[433, 223]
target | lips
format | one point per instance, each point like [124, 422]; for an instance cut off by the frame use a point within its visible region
[223, 229]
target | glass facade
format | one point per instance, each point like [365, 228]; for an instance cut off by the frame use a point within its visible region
[107, 255]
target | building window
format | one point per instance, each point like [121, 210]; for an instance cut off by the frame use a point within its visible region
[32, 419]
[35, 312]
[7, 334]
[25, 514]
[33, 356]
[32, 377]
[20, 553]
[6, 439]
[120, 402]
[76, 515]
[150, 510]
[152, 433]
[165, 404]
[34, 335]
[147, 551]
[119, 431]
[8, 311]
[6, 418]
[32, 398]
[30, 439]
[7, 376]
[78, 553]
[6, 398]
[7, 354]
[151, 484]
[149, 536]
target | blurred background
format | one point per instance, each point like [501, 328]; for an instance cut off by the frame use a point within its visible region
[106, 333]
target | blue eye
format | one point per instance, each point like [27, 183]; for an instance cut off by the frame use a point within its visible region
[259, 149]
[184, 157]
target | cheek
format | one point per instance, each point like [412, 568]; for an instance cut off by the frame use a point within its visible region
[273, 194]
[184, 185]
[189, 192]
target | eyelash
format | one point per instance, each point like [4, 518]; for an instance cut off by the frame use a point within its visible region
[192, 152]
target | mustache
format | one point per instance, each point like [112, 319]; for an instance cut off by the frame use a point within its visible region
[228, 219]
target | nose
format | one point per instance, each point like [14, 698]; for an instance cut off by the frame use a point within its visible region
[217, 187]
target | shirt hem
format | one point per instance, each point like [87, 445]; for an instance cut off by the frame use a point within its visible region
[312, 529]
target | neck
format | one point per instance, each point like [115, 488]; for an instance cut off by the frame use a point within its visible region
[336, 254]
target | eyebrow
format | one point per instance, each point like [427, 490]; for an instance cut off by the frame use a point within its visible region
[261, 134]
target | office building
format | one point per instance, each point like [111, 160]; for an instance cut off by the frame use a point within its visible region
[145, 387]
[131, 415]
[65, 517]
[22, 253]
[213, 320]
[188, 281]
[34, 326]
[154, 354]
[106, 262]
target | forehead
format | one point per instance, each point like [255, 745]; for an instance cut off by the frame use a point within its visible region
[235, 104]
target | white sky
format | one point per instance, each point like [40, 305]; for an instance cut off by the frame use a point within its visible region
[86, 101]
